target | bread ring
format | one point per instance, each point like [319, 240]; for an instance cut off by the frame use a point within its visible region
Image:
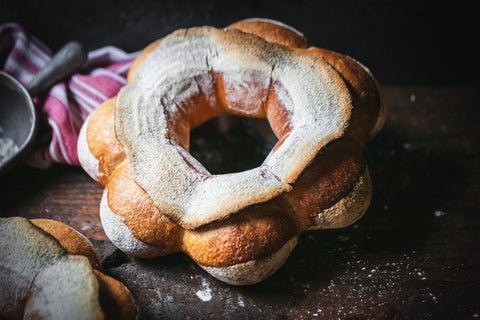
[240, 227]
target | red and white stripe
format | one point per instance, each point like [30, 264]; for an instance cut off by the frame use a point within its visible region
[67, 104]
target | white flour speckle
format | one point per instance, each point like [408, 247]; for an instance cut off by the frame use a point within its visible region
[439, 213]
[240, 302]
[413, 98]
[205, 294]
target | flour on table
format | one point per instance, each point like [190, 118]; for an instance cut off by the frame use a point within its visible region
[205, 294]
[8, 148]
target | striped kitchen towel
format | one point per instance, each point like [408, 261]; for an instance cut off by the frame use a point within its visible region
[67, 104]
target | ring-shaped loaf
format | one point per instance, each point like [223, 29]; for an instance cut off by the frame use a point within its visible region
[240, 227]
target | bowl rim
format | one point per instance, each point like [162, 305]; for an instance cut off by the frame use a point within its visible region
[28, 142]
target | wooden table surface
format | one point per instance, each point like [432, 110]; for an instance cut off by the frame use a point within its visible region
[414, 255]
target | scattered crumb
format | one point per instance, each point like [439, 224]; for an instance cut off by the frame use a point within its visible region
[205, 294]
[360, 281]
[240, 302]
[439, 213]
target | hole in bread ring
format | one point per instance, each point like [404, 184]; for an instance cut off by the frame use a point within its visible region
[196, 74]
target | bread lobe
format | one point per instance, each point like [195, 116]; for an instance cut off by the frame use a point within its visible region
[255, 270]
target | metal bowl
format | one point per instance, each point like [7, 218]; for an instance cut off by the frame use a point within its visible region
[18, 120]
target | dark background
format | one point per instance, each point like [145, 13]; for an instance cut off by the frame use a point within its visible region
[402, 42]
[414, 255]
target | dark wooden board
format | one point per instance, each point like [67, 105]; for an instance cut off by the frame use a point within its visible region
[414, 255]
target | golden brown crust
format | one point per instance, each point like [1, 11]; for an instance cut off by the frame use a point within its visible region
[115, 299]
[366, 98]
[70, 239]
[127, 200]
[329, 178]
[253, 271]
[272, 32]
[251, 234]
[349, 209]
[102, 140]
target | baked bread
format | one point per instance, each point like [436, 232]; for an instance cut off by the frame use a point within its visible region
[240, 227]
[50, 271]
